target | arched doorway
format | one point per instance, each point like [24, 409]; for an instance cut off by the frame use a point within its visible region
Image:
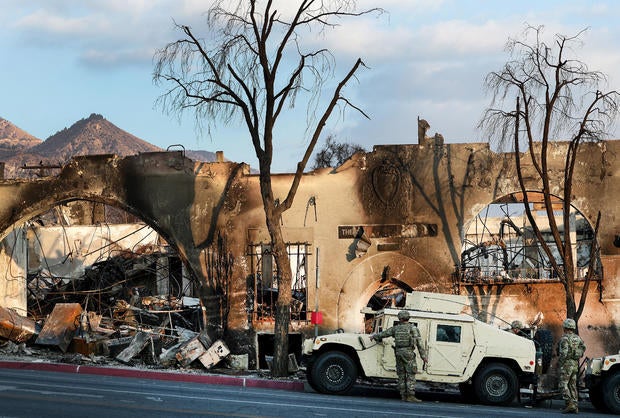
[499, 245]
[122, 273]
[382, 277]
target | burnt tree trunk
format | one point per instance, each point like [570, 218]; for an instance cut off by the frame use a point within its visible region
[284, 278]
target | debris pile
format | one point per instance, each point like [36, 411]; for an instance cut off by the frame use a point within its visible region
[111, 290]
[146, 331]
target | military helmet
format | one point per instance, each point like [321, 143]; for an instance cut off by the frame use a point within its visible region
[569, 324]
[516, 325]
[403, 315]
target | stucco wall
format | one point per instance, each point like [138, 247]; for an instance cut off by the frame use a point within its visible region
[412, 201]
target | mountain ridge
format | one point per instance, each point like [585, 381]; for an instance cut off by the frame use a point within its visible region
[14, 139]
[89, 136]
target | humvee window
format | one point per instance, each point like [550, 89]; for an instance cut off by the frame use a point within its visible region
[449, 333]
[378, 324]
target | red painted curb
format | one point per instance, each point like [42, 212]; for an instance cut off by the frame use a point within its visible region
[149, 374]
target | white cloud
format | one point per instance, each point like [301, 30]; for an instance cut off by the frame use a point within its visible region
[44, 23]
[106, 59]
[464, 38]
[96, 31]
[399, 7]
[367, 39]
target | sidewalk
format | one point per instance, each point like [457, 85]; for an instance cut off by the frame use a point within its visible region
[176, 376]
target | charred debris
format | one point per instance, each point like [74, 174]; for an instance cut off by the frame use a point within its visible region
[104, 318]
[133, 305]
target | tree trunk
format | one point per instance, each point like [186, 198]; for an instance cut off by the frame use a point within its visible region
[283, 307]
[571, 308]
[280, 344]
[284, 276]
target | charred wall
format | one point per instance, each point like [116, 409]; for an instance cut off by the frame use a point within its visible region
[394, 214]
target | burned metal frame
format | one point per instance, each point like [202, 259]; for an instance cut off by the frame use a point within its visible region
[499, 251]
[264, 275]
[123, 284]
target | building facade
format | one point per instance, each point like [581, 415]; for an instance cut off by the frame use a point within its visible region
[395, 219]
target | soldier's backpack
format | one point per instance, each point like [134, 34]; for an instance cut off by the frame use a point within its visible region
[578, 348]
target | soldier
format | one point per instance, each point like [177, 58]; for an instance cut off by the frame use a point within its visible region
[517, 328]
[406, 338]
[570, 350]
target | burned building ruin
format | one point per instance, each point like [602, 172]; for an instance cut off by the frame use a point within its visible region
[430, 216]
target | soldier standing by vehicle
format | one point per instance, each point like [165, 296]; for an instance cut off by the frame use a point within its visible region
[517, 328]
[570, 349]
[406, 339]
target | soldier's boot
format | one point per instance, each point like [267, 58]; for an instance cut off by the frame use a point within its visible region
[403, 396]
[576, 408]
[412, 398]
[570, 408]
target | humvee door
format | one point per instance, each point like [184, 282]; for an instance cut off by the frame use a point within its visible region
[450, 346]
[388, 361]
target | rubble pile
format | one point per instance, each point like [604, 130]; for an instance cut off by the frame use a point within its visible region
[149, 331]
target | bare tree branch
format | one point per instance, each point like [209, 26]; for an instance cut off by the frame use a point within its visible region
[249, 65]
[301, 166]
[561, 99]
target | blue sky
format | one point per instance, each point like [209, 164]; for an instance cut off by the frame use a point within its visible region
[65, 59]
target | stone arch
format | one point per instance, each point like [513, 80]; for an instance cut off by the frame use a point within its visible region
[47, 203]
[41, 206]
[364, 280]
[171, 193]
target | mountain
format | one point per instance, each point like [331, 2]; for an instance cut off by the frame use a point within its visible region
[197, 155]
[91, 136]
[14, 139]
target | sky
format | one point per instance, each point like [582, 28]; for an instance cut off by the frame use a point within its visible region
[61, 60]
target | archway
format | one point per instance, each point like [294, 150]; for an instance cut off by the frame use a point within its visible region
[499, 245]
[120, 271]
[373, 275]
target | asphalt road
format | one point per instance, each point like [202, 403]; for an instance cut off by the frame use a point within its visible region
[33, 393]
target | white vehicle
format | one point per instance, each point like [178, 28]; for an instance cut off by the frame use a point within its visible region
[489, 364]
[603, 382]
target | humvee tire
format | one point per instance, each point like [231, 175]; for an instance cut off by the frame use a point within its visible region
[334, 372]
[309, 367]
[611, 392]
[496, 384]
[596, 398]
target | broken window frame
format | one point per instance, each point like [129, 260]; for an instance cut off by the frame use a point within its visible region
[265, 298]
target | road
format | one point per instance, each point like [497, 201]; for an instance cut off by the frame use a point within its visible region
[28, 393]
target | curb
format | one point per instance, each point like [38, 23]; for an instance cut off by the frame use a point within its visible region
[242, 381]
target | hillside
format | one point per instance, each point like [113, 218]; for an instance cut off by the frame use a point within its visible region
[14, 139]
[91, 136]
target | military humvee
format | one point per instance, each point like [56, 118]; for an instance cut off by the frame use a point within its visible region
[489, 364]
[603, 382]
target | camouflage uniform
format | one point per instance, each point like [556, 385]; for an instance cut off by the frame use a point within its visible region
[516, 327]
[406, 338]
[570, 349]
